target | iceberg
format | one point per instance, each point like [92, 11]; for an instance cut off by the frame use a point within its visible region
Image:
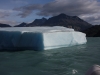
[39, 38]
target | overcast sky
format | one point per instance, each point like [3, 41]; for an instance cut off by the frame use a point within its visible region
[14, 12]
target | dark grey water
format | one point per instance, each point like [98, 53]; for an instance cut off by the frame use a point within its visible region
[74, 60]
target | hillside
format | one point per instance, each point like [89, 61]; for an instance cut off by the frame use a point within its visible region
[94, 31]
[67, 21]
[4, 25]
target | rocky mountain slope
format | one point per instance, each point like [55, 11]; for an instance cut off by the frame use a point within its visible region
[94, 31]
[37, 22]
[67, 21]
[21, 25]
[59, 20]
[4, 25]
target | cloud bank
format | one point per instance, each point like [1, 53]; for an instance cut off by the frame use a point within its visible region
[4, 13]
[85, 9]
[27, 10]
[12, 23]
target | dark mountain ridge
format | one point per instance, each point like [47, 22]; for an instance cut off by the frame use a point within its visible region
[37, 22]
[4, 25]
[60, 20]
[68, 21]
[94, 31]
[21, 25]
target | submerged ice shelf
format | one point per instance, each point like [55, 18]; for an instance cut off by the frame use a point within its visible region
[39, 38]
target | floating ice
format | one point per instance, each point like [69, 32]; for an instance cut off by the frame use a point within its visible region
[39, 38]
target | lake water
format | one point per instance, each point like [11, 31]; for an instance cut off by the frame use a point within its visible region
[74, 60]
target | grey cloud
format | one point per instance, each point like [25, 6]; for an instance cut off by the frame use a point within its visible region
[4, 14]
[69, 7]
[27, 10]
[93, 18]
[12, 23]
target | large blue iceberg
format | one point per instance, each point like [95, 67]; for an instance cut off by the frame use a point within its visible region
[39, 38]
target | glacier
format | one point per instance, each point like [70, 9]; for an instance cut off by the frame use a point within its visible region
[39, 38]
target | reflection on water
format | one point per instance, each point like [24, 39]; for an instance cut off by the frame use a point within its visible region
[74, 60]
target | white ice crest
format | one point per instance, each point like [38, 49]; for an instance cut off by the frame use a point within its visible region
[74, 71]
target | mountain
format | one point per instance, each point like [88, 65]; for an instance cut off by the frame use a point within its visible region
[37, 22]
[60, 20]
[4, 25]
[67, 21]
[21, 25]
[94, 31]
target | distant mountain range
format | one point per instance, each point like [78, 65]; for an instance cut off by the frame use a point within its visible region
[21, 25]
[59, 20]
[62, 20]
[66, 21]
[94, 31]
[37, 22]
[4, 25]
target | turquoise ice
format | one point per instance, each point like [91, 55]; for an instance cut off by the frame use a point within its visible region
[39, 38]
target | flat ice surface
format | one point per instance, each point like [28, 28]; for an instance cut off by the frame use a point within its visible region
[39, 38]
[37, 29]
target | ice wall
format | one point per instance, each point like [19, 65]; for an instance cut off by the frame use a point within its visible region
[39, 38]
[63, 39]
